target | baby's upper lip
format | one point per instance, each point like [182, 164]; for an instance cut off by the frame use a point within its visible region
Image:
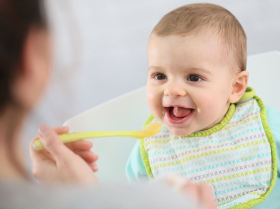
[175, 105]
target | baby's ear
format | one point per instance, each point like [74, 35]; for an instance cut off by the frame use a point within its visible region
[239, 86]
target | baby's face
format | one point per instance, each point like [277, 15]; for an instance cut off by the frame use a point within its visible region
[189, 83]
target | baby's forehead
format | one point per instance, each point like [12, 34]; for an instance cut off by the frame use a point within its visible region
[218, 47]
[194, 48]
[207, 36]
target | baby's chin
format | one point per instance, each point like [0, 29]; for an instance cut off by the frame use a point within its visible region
[180, 131]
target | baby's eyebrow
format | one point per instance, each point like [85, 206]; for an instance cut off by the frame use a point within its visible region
[202, 70]
[194, 69]
[155, 67]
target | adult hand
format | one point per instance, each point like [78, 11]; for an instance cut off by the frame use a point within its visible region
[58, 163]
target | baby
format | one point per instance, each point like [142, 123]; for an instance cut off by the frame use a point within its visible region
[215, 130]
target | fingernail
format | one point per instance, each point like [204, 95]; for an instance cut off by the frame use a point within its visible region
[44, 130]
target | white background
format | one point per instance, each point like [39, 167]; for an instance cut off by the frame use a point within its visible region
[100, 49]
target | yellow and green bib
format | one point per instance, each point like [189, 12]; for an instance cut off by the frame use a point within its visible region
[237, 156]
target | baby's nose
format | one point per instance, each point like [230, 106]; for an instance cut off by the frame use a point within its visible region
[175, 90]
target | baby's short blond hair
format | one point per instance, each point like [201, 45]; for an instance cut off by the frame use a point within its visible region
[199, 18]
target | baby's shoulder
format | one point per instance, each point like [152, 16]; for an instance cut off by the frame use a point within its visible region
[272, 115]
[271, 111]
[273, 119]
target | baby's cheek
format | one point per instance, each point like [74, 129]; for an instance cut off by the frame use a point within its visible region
[150, 95]
[206, 102]
[209, 107]
[152, 99]
[154, 102]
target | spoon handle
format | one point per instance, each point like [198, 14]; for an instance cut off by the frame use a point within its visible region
[71, 137]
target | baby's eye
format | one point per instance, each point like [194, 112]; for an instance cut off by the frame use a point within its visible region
[194, 78]
[160, 76]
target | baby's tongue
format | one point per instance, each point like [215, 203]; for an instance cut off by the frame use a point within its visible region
[181, 112]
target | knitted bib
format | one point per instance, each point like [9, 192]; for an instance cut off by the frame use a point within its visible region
[237, 157]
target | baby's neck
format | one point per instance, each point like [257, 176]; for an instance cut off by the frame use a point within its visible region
[11, 122]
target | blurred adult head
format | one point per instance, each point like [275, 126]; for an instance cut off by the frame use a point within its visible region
[25, 54]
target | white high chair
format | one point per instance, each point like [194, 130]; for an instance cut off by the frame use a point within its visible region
[130, 111]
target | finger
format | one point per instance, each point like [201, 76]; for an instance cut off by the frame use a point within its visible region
[52, 142]
[43, 154]
[38, 155]
[207, 196]
[58, 130]
[80, 145]
[88, 156]
[61, 129]
[93, 166]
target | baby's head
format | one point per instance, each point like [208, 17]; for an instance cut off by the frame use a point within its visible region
[197, 67]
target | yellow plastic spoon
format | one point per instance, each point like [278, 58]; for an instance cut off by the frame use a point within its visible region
[150, 130]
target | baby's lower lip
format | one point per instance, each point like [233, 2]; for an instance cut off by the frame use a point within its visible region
[176, 120]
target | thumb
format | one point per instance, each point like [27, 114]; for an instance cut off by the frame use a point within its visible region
[208, 196]
[52, 142]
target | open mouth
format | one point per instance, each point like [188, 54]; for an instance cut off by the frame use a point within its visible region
[178, 115]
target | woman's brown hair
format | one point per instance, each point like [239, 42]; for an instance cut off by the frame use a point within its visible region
[17, 17]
